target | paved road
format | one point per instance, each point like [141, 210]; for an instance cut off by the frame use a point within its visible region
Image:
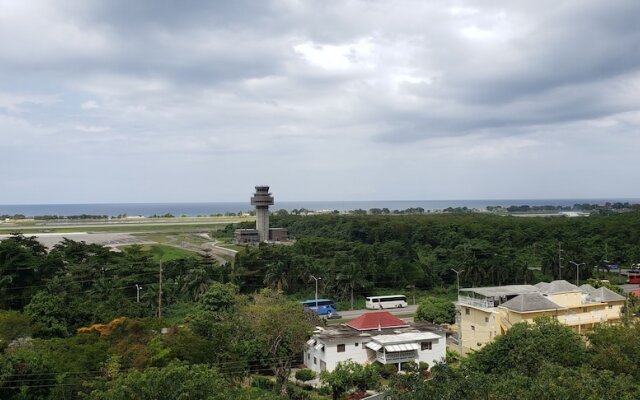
[356, 313]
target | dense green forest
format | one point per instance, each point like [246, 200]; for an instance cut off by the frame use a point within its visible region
[362, 254]
[74, 325]
[81, 321]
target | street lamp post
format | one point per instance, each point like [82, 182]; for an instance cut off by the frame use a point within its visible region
[316, 279]
[458, 279]
[577, 265]
[138, 287]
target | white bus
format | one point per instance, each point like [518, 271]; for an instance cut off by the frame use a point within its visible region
[380, 302]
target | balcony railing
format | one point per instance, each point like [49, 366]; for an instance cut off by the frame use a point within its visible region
[484, 303]
[396, 356]
[579, 320]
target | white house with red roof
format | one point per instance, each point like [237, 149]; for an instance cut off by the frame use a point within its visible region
[375, 337]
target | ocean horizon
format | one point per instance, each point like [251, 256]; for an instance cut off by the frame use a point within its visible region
[209, 208]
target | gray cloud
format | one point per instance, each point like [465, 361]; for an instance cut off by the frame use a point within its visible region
[339, 93]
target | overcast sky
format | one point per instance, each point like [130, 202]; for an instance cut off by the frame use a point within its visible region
[158, 100]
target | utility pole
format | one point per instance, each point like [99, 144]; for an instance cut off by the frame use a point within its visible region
[316, 279]
[160, 293]
[560, 260]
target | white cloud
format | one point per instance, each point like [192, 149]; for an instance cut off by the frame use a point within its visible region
[89, 105]
[91, 129]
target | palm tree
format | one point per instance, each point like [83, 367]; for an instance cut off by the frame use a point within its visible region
[277, 276]
[352, 277]
[196, 282]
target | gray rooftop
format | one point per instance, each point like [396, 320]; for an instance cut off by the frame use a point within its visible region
[587, 289]
[530, 302]
[495, 291]
[559, 286]
[541, 285]
[604, 294]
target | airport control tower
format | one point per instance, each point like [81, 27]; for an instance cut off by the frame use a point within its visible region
[262, 199]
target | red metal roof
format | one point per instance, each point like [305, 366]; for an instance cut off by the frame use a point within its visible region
[636, 292]
[375, 320]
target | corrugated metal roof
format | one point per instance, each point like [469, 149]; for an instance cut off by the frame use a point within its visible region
[374, 346]
[319, 346]
[311, 342]
[402, 347]
[508, 290]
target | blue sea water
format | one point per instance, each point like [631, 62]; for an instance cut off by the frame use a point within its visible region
[194, 209]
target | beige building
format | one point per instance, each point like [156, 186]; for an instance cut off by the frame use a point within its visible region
[487, 312]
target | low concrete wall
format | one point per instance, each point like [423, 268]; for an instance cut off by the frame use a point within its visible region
[379, 396]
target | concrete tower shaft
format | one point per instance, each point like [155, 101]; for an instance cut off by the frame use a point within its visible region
[262, 199]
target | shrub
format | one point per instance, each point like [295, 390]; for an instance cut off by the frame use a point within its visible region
[388, 370]
[436, 310]
[305, 375]
[262, 383]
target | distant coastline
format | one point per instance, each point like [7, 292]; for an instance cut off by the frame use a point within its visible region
[205, 209]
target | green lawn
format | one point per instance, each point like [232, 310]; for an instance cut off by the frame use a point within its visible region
[166, 253]
[173, 237]
[230, 246]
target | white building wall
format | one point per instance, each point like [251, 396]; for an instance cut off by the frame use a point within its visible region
[330, 357]
[437, 353]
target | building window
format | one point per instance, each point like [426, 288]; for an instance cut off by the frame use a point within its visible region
[584, 309]
[486, 319]
[466, 311]
[425, 346]
[341, 348]
[610, 307]
[315, 361]
[473, 328]
[308, 356]
[356, 344]
[322, 348]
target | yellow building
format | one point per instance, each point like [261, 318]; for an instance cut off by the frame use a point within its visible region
[487, 312]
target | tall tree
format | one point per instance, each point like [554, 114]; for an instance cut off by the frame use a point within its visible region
[281, 329]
